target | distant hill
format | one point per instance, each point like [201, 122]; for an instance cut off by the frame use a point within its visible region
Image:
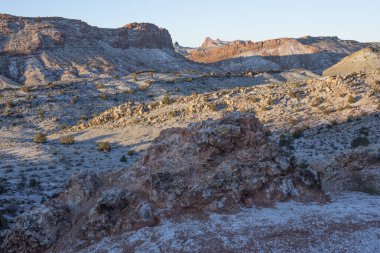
[364, 60]
[311, 53]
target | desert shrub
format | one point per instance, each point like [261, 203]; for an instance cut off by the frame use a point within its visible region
[270, 102]
[123, 159]
[131, 152]
[9, 104]
[332, 124]
[317, 101]
[350, 99]
[3, 222]
[255, 99]
[41, 114]
[3, 184]
[67, 140]
[143, 87]
[104, 146]
[40, 138]
[350, 118]
[103, 96]
[100, 86]
[51, 85]
[212, 107]
[34, 183]
[172, 114]
[298, 133]
[292, 121]
[73, 100]
[304, 165]
[267, 131]
[148, 82]
[165, 100]
[363, 131]
[359, 141]
[25, 89]
[286, 141]
[130, 91]
[293, 94]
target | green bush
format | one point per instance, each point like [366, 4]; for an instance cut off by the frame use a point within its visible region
[131, 152]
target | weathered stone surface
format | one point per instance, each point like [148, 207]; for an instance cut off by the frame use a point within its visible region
[38, 229]
[81, 186]
[355, 171]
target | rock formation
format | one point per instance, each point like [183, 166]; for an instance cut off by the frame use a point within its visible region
[40, 50]
[362, 61]
[212, 166]
[354, 171]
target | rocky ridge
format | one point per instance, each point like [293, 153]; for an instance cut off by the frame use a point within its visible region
[311, 53]
[37, 51]
[365, 60]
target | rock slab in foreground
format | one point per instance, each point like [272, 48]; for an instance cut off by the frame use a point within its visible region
[213, 166]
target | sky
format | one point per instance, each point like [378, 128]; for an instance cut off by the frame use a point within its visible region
[190, 22]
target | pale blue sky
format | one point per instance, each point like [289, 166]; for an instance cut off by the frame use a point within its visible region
[189, 22]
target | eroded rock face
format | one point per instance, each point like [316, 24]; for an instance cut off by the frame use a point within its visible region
[355, 171]
[81, 186]
[217, 165]
[213, 166]
[38, 229]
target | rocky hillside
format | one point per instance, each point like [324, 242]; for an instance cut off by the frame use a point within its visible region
[311, 53]
[40, 50]
[364, 60]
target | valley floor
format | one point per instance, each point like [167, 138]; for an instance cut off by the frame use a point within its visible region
[349, 223]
